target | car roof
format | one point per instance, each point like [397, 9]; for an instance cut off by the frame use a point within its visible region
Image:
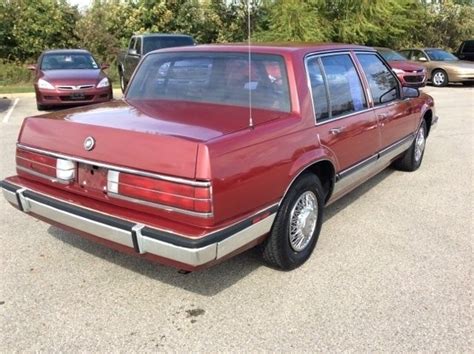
[384, 48]
[422, 49]
[66, 51]
[270, 48]
[162, 35]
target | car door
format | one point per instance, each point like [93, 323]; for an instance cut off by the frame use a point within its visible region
[396, 117]
[346, 125]
[135, 59]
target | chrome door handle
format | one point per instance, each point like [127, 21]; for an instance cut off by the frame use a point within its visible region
[337, 130]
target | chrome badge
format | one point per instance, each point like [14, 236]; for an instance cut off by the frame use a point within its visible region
[89, 143]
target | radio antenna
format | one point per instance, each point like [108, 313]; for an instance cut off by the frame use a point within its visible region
[249, 28]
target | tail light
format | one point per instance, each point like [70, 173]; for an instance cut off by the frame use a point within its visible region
[185, 197]
[48, 167]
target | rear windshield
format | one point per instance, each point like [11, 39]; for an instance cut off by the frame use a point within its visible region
[391, 55]
[221, 78]
[154, 43]
[64, 61]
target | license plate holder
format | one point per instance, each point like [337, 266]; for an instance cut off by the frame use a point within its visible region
[92, 177]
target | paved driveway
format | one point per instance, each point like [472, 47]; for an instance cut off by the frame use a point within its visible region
[392, 271]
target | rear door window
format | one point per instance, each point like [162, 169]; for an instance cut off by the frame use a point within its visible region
[335, 86]
[383, 84]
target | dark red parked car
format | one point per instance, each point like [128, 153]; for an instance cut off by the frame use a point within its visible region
[409, 73]
[70, 77]
[186, 171]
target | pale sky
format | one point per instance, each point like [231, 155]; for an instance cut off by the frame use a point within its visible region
[80, 3]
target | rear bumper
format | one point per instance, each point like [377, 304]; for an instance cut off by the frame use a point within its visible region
[182, 252]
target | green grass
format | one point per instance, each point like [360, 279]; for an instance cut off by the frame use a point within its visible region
[19, 88]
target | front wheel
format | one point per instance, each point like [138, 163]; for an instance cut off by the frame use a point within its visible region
[411, 159]
[297, 225]
[439, 78]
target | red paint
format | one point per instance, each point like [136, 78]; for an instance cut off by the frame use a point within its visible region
[70, 77]
[411, 71]
[249, 168]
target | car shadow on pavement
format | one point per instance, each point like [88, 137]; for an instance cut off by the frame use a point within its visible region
[207, 282]
[5, 103]
[348, 199]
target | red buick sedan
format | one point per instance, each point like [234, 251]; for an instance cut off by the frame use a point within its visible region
[409, 73]
[70, 77]
[221, 153]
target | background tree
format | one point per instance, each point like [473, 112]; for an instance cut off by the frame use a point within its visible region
[40, 25]
[27, 27]
[295, 20]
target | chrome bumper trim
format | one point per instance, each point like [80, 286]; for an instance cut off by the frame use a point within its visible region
[124, 232]
[10, 197]
[80, 223]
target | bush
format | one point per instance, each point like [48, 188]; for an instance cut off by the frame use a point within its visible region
[13, 73]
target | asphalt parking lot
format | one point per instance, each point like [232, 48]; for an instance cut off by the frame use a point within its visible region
[392, 270]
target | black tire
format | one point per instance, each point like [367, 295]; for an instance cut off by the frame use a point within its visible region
[41, 107]
[439, 78]
[277, 250]
[468, 83]
[410, 161]
[123, 84]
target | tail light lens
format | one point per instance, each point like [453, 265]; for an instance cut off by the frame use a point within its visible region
[45, 166]
[65, 169]
[196, 199]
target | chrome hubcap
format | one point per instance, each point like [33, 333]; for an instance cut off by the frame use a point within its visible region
[303, 219]
[419, 144]
[438, 78]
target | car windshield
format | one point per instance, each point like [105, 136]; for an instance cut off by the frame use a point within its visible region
[154, 43]
[391, 55]
[440, 55]
[221, 78]
[66, 61]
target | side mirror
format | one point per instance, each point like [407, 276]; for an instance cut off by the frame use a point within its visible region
[105, 66]
[410, 92]
[132, 52]
[390, 95]
[422, 59]
[31, 67]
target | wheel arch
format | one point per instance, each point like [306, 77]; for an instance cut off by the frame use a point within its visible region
[323, 168]
[428, 117]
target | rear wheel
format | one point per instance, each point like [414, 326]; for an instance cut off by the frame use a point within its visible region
[439, 78]
[123, 85]
[297, 225]
[411, 160]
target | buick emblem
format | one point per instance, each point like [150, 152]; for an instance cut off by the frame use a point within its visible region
[89, 143]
